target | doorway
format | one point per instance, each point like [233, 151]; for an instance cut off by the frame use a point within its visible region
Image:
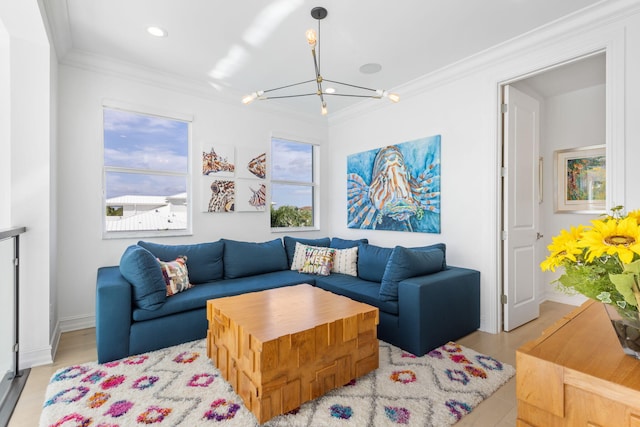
[559, 108]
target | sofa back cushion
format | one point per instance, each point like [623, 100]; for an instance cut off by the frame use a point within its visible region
[143, 271]
[204, 260]
[372, 260]
[440, 246]
[339, 243]
[290, 245]
[405, 263]
[243, 259]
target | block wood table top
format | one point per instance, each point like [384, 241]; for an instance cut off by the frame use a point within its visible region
[283, 311]
[576, 372]
[282, 347]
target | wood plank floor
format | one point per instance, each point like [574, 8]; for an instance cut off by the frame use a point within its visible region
[499, 410]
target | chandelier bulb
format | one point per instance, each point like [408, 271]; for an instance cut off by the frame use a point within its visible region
[324, 110]
[393, 97]
[311, 37]
[248, 99]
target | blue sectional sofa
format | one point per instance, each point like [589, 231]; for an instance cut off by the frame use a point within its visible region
[423, 302]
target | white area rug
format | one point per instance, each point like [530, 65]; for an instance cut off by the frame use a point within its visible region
[180, 386]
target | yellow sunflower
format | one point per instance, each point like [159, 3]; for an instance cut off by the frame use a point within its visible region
[635, 214]
[563, 246]
[612, 237]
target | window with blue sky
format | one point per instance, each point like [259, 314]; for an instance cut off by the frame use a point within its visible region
[146, 162]
[292, 184]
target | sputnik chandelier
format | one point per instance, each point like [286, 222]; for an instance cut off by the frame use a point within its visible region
[313, 39]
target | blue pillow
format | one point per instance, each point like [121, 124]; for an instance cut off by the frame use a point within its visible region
[243, 259]
[204, 260]
[339, 243]
[372, 260]
[143, 271]
[405, 263]
[290, 245]
[440, 246]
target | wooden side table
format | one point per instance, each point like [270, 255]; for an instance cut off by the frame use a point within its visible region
[576, 374]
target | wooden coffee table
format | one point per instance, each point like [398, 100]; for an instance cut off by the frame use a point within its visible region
[282, 347]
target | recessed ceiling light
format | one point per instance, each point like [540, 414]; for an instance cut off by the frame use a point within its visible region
[370, 68]
[157, 32]
[330, 90]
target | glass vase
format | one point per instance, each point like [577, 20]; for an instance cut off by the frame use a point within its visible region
[627, 326]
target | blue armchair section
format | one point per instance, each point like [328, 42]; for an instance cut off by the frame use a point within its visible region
[423, 303]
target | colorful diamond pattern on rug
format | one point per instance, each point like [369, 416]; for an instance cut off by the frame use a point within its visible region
[180, 386]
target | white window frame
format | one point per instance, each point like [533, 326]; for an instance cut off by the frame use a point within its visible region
[154, 112]
[315, 186]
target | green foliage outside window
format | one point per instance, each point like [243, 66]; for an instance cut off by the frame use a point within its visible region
[291, 216]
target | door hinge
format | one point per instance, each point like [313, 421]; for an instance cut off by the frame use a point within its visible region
[503, 299]
[504, 108]
[503, 235]
[503, 171]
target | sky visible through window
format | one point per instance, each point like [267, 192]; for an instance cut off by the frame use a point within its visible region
[293, 162]
[142, 142]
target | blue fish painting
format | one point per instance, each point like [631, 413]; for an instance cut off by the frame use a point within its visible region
[395, 187]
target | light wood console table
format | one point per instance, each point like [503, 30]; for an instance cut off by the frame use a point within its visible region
[576, 374]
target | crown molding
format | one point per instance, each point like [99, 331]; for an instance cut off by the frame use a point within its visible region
[599, 15]
[144, 75]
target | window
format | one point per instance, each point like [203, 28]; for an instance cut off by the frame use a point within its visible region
[293, 184]
[146, 174]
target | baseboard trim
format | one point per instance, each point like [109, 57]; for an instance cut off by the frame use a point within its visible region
[77, 322]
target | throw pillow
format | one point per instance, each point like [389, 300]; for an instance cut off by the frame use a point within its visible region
[372, 261]
[298, 257]
[345, 261]
[318, 261]
[290, 245]
[142, 270]
[405, 263]
[176, 275]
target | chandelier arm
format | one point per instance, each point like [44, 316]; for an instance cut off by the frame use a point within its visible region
[350, 85]
[291, 85]
[354, 96]
[287, 96]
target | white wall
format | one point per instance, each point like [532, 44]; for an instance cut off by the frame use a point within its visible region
[574, 119]
[27, 117]
[80, 244]
[461, 104]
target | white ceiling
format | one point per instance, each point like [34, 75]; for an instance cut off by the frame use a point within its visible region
[243, 46]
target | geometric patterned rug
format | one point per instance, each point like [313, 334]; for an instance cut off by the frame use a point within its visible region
[179, 386]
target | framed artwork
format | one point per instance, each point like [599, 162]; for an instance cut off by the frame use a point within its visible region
[396, 187]
[252, 162]
[580, 175]
[218, 160]
[251, 195]
[219, 195]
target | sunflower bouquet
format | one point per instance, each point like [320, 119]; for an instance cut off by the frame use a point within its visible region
[601, 261]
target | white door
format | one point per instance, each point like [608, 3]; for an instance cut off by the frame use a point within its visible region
[520, 208]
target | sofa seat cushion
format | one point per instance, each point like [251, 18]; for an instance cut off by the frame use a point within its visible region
[197, 296]
[356, 289]
[143, 271]
[243, 259]
[204, 260]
